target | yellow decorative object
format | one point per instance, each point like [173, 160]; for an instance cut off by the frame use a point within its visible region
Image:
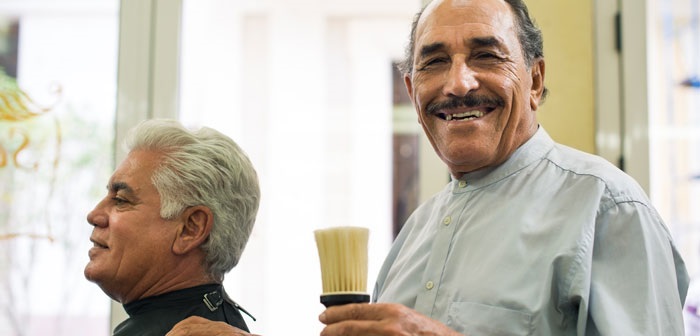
[30, 148]
[15, 105]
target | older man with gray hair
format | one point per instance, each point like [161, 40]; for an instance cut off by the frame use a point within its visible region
[177, 215]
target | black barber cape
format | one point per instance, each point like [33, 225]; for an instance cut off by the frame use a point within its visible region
[155, 316]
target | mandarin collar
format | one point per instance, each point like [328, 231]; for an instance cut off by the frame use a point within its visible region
[531, 151]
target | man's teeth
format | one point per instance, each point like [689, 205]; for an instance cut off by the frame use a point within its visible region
[469, 114]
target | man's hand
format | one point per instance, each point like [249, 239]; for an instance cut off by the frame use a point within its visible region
[379, 319]
[198, 326]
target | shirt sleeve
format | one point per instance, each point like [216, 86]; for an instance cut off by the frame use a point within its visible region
[638, 281]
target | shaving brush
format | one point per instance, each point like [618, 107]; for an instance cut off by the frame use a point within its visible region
[343, 255]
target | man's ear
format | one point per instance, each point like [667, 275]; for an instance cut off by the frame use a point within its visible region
[538, 88]
[409, 85]
[408, 81]
[194, 231]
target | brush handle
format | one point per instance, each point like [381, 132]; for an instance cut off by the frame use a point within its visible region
[330, 300]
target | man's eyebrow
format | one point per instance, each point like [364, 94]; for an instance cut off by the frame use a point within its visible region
[431, 48]
[118, 186]
[489, 41]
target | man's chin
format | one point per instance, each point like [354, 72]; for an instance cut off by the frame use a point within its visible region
[90, 273]
[100, 282]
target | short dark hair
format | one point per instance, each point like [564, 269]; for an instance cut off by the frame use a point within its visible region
[529, 35]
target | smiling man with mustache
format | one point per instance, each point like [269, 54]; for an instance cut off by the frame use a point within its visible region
[530, 237]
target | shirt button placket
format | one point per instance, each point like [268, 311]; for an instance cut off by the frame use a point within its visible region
[426, 299]
[447, 220]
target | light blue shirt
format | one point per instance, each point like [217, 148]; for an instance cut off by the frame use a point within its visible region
[552, 242]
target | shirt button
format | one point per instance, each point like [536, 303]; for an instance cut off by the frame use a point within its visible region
[429, 285]
[462, 184]
[447, 220]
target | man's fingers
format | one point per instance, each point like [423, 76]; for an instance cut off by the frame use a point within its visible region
[193, 320]
[344, 312]
[364, 328]
[199, 326]
[360, 311]
[190, 321]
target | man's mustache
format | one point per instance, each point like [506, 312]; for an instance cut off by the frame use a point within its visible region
[468, 101]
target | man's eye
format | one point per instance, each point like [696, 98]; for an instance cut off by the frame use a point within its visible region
[487, 56]
[433, 62]
[119, 200]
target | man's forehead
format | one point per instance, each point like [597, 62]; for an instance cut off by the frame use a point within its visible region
[468, 18]
[456, 4]
[493, 13]
[134, 172]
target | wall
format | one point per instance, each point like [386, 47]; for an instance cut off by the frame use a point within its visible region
[569, 112]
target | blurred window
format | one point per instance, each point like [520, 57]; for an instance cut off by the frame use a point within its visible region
[57, 105]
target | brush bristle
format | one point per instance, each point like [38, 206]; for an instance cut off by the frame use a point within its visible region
[343, 255]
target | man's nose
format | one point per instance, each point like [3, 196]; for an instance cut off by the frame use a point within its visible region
[97, 217]
[461, 79]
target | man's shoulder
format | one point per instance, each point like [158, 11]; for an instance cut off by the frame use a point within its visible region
[577, 163]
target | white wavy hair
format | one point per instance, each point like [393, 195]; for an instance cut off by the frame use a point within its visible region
[203, 167]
